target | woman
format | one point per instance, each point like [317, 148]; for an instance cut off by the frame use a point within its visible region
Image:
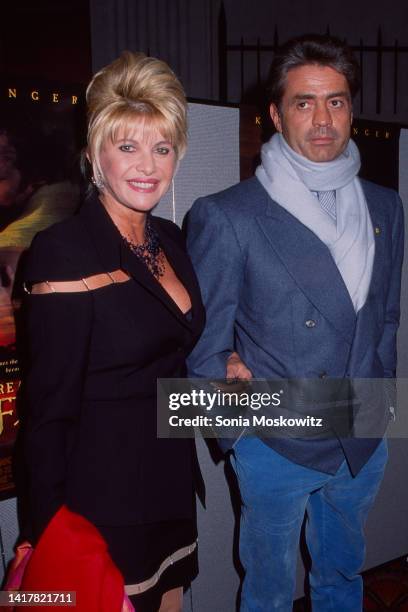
[115, 305]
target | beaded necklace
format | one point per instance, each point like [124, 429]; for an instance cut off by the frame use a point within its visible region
[149, 252]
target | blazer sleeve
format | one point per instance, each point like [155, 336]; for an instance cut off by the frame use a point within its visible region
[58, 335]
[387, 349]
[218, 261]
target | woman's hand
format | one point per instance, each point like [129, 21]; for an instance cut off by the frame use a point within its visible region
[236, 368]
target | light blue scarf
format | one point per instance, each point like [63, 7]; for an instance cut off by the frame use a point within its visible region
[290, 178]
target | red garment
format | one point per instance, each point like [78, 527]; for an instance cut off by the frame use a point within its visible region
[71, 555]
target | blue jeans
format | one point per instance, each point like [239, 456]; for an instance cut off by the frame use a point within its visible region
[276, 493]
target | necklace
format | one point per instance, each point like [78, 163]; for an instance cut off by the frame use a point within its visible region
[149, 252]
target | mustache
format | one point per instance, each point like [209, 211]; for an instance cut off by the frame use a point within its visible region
[324, 131]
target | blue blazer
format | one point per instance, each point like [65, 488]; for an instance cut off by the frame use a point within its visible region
[264, 277]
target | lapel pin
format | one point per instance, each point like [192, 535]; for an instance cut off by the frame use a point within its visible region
[377, 230]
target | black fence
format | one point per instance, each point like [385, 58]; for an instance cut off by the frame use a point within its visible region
[387, 60]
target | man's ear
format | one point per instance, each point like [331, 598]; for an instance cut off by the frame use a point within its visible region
[275, 116]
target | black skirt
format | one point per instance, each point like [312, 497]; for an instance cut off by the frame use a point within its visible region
[153, 558]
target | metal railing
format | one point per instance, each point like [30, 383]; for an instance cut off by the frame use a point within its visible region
[365, 54]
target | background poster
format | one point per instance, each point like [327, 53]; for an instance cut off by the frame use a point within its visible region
[41, 127]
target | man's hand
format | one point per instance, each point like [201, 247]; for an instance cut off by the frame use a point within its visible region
[236, 368]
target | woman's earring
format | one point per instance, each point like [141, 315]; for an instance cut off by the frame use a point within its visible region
[173, 200]
[97, 180]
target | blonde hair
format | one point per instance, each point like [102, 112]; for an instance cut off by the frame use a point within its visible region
[135, 87]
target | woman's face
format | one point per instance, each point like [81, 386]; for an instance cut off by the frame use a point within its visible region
[137, 168]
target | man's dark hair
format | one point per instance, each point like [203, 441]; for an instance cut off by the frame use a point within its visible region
[321, 50]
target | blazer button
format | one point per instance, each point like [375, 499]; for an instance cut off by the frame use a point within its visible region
[323, 375]
[310, 323]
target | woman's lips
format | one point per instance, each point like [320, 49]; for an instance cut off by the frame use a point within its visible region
[143, 186]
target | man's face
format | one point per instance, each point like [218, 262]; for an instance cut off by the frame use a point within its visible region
[315, 114]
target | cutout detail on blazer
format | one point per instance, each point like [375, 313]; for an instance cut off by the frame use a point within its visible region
[89, 283]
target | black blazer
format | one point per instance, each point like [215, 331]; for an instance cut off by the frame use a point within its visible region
[94, 357]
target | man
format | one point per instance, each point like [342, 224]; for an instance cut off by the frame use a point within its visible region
[300, 271]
